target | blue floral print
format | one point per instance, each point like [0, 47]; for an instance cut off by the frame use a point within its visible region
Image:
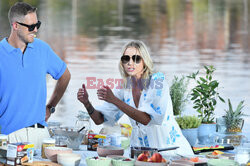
[146, 141]
[157, 110]
[158, 92]
[117, 116]
[173, 134]
[141, 141]
[127, 101]
[168, 141]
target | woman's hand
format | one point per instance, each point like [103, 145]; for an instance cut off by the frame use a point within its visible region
[82, 95]
[106, 94]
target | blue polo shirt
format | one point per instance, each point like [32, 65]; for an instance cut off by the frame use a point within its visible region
[23, 88]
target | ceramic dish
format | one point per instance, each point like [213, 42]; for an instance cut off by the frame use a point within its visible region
[104, 151]
[222, 162]
[121, 160]
[142, 163]
[98, 161]
[188, 162]
[51, 152]
[69, 159]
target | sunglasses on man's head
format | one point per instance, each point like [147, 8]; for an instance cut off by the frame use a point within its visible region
[31, 27]
[136, 58]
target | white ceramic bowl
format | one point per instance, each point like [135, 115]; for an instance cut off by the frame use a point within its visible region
[52, 152]
[104, 151]
[69, 159]
[101, 161]
[121, 160]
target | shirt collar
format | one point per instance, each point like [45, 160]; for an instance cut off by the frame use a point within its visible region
[10, 48]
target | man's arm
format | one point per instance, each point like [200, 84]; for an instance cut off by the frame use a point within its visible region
[59, 90]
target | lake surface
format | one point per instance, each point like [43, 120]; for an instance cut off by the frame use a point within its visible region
[183, 36]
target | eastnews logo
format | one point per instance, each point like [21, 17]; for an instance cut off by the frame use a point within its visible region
[97, 83]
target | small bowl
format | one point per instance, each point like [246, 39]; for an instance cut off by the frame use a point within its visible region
[51, 152]
[221, 162]
[69, 159]
[104, 151]
[97, 162]
[121, 160]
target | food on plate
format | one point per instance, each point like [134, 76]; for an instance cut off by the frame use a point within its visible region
[194, 159]
[156, 158]
[163, 160]
[142, 157]
[215, 154]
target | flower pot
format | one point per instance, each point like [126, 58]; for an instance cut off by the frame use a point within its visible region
[206, 133]
[191, 135]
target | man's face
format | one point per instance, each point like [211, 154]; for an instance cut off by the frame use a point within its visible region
[23, 32]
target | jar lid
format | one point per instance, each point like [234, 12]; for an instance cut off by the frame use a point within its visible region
[3, 136]
[49, 140]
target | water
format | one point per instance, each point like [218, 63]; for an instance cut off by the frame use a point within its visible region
[183, 36]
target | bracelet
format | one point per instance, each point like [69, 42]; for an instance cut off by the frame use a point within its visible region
[90, 109]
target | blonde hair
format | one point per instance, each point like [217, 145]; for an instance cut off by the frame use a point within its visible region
[148, 63]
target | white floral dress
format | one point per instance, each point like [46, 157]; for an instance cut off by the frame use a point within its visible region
[162, 131]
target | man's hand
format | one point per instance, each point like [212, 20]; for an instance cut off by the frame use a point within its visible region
[47, 113]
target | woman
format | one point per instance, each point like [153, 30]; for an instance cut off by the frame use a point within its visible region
[144, 97]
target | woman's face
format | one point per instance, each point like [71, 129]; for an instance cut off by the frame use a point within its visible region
[132, 62]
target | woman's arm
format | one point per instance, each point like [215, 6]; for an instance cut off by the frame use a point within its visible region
[95, 115]
[107, 95]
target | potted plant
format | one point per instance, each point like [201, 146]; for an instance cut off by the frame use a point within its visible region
[178, 90]
[189, 126]
[233, 119]
[204, 96]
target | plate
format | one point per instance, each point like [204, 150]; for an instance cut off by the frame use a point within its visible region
[143, 163]
[188, 162]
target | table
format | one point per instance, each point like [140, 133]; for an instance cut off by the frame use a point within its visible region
[83, 152]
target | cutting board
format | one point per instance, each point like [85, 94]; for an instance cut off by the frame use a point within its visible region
[41, 163]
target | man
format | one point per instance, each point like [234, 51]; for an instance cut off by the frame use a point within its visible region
[24, 63]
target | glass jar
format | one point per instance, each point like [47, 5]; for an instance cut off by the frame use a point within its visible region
[3, 140]
[46, 143]
[82, 120]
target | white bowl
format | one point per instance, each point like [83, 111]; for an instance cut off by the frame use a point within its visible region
[52, 152]
[104, 151]
[69, 159]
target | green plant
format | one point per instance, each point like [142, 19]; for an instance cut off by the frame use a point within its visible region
[178, 91]
[204, 94]
[188, 122]
[233, 119]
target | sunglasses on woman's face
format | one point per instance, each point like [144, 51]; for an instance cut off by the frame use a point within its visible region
[31, 27]
[136, 59]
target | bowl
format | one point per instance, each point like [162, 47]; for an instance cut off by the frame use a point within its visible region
[74, 138]
[51, 152]
[98, 161]
[121, 160]
[221, 162]
[69, 159]
[104, 151]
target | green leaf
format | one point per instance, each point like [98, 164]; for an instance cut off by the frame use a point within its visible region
[203, 80]
[221, 99]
